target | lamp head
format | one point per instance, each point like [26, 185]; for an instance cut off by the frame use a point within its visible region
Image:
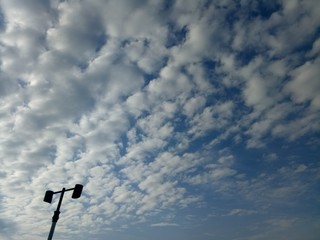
[77, 191]
[48, 196]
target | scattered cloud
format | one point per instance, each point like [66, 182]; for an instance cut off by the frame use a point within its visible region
[164, 224]
[162, 110]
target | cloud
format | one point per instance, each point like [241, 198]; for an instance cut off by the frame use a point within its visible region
[304, 86]
[214, 117]
[7, 228]
[240, 212]
[271, 157]
[213, 175]
[283, 223]
[161, 110]
[164, 224]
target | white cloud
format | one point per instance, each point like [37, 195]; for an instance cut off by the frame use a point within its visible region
[271, 157]
[241, 212]
[137, 100]
[164, 224]
[194, 105]
[304, 85]
[315, 48]
[283, 223]
[214, 173]
[211, 118]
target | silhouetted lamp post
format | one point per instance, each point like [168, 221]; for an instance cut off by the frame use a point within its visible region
[77, 190]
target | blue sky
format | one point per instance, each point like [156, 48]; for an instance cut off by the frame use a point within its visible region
[182, 119]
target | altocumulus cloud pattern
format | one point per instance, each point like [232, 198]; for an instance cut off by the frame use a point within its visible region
[192, 120]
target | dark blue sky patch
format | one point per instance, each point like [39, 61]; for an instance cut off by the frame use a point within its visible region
[256, 161]
[176, 36]
[124, 43]
[167, 5]
[23, 83]
[233, 15]
[83, 66]
[69, 134]
[234, 94]
[151, 76]
[180, 123]
[209, 67]
[223, 93]
[100, 41]
[146, 42]
[52, 152]
[307, 44]
[2, 20]
[262, 9]
[209, 64]
[267, 8]
[245, 56]
[123, 144]
[249, 161]
[298, 151]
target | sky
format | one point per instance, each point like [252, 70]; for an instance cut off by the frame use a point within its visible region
[186, 119]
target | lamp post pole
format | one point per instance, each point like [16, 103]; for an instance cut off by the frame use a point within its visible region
[55, 217]
[77, 190]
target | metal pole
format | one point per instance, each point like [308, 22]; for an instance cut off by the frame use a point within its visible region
[55, 217]
[53, 225]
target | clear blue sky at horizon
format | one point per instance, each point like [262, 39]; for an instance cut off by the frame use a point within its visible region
[192, 120]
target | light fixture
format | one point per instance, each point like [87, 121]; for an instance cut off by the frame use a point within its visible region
[77, 190]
